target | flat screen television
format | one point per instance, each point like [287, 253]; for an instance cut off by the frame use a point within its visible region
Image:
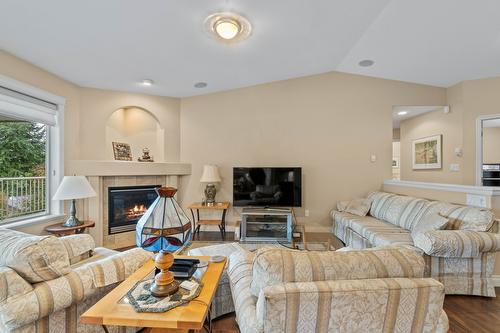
[267, 187]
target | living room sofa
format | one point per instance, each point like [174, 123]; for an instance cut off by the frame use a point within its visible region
[46, 283]
[375, 290]
[461, 255]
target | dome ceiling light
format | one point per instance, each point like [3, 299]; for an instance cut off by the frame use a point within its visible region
[228, 27]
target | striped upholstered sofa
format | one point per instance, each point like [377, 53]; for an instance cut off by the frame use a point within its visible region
[376, 290]
[461, 254]
[46, 283]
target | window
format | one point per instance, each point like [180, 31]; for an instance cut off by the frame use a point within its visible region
[31, 128]
[23, 168]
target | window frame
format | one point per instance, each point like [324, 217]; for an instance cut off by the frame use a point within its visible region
[55, 143]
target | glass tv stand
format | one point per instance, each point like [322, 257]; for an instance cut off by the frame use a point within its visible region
[266, 224]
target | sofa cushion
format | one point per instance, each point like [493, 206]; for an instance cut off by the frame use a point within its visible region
[385, 239]
[359, 207]
[399, 210]
[467, 217]
[35, 258]
[79, 247]
[273, 266]
[429, 222]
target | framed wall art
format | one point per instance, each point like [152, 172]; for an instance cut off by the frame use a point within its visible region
[427, 153]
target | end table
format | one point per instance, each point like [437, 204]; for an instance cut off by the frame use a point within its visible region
[59, 230]
[221, 223]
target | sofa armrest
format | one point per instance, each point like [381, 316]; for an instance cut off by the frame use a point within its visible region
[79, 247]
[51, 296]
[457, 243]
[352, 306]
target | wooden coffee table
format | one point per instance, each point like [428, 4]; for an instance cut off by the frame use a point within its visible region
[109, 311]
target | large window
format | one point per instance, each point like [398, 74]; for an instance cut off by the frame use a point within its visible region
[31, 131]
[23, 169]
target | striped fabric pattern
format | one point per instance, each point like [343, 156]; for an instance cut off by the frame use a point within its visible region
[274, 266]
[12, 285]
[461, 259]
[457, 243]
[223, 302]
[240, 276]
[35, 258]
[375, 305]
[49, 297]
[79, 247]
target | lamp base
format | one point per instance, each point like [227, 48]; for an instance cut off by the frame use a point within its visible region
[164, 284]
[72, 221]
[210, 192]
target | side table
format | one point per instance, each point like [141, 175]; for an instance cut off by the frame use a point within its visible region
[221, 223]
[59, 230]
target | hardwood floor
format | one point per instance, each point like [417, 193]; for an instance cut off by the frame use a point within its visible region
[467, 314]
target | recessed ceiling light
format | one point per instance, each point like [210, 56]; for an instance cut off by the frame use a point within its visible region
[402, 113]
[200, 84]
[228, 27]
[147, 82]
[366, 63]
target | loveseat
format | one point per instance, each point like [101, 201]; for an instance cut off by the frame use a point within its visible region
[46, 283]
[376, 290]
[460, 253]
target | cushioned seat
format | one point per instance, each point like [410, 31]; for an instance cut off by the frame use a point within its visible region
[223, 301]
[384, 239]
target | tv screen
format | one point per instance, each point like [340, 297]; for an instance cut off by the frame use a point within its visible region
[267, 187]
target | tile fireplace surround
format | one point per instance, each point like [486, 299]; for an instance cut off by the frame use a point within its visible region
[105, 174]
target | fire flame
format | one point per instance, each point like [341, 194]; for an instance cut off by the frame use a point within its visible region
[138, 210]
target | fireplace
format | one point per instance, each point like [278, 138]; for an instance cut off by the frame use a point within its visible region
[127, 204]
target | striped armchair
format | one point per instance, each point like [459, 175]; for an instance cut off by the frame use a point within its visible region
[381, 290]
[46, 283]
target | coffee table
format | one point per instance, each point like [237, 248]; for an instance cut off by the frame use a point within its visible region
[112, 311]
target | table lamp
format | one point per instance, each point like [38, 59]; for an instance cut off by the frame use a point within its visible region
[72, 188]
[164, 228]
[210, 176]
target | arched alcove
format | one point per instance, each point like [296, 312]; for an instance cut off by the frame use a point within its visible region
[139, 128]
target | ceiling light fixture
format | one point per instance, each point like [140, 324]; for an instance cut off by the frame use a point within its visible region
[228, 27]
[200, 84]
[402, 113]
[147, 82]
[366, 63]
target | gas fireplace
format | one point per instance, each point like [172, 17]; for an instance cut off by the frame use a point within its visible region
[126, 205]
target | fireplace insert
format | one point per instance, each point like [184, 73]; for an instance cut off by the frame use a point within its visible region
[127, 204]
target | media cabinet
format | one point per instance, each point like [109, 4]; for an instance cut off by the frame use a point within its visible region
[266, 224]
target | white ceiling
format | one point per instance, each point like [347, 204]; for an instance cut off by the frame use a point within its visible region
[113, 44]
[411, 111]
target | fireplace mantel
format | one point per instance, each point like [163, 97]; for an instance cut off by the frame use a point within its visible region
[105, 174]
[126, 168]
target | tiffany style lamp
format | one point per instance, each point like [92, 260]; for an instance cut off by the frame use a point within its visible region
[164, 228]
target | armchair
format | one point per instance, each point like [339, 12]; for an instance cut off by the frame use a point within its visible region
[53, 301]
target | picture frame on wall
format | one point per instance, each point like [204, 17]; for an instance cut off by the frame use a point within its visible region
[427, 153]
[122, 151]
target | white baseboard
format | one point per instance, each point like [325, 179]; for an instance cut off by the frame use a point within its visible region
[496, 280]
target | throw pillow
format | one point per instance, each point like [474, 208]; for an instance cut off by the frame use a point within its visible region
[359, 207]
[429, 222]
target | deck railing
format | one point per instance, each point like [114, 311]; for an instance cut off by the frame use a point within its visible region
[21, 196]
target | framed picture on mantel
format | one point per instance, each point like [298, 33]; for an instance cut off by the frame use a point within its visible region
[122, 151]
[426, 153]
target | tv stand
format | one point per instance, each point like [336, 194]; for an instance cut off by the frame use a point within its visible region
[266, 224]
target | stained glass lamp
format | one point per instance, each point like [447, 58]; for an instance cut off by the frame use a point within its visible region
[164, 228]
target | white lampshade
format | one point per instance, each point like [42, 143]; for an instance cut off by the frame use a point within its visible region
[210, 174]
[74, 187]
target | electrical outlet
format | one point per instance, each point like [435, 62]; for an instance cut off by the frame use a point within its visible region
[306, 212]
[454, 167]
[373, 158]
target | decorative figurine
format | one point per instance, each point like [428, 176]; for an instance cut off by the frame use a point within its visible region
[145, 156]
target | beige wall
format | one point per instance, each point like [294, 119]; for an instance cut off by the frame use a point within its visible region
[491, 145]
[87, 112]
[98, 105]
[328, 124]
[428, 124]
